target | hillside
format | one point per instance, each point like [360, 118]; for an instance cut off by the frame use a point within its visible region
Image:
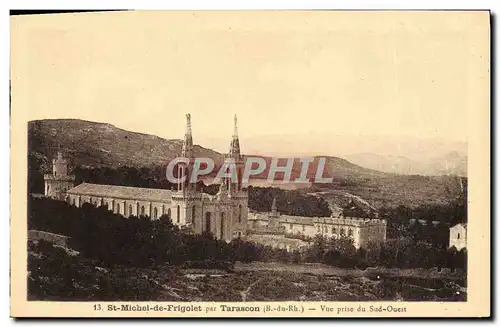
[97, 144]
[94, 144]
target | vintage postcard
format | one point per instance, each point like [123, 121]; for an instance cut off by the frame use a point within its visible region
[250, 164]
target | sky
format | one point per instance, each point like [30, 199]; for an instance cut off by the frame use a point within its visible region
[300, 82]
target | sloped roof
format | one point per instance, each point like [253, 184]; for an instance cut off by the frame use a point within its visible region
[122, 192]
[296, 220]
[464, 225]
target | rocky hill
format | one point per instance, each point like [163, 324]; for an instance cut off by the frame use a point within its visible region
[94, 144]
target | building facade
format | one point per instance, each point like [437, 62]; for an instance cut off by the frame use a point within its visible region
[362, 231]
[224, 214]
[458, 236]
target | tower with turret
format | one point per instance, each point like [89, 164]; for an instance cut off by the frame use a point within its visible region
[186, 200]
[58, 182]
[232, 187]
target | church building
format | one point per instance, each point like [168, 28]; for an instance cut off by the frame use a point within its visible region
[224, 214]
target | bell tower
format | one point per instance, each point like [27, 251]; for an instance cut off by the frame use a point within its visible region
[57, 183]
[232, 186]
[233, 160]
[186, 207]
[186, 169]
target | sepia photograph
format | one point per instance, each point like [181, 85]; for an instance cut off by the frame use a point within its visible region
[268, 163]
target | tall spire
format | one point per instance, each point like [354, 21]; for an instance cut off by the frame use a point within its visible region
[234, 149]
[235, 129]
[187, 152]
[187, 146]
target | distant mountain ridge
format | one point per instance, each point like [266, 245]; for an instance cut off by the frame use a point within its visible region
[452, 163]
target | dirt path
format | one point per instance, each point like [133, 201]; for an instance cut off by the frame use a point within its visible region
[244, 293]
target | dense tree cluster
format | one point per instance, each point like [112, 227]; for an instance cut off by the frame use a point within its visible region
[428, 222]
[112, 239]
[288, 202]
[55, 275]
[399, 253]
[125, 176]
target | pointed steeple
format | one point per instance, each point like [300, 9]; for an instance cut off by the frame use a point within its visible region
[234, 149]
[274, 209]
[187, 152]
[187, 145]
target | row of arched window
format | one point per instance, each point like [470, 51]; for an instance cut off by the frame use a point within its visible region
[140, 209]
[342, 231]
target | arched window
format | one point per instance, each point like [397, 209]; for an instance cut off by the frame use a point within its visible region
[169, 213]
[143, 210]
[193, 215]
[208, 223]
[130, 210]
[117, 208]
[239, 213]
[155, 213]
[102, 202]
[319, 229]
[178, 214]
[163, 209]
[73, 201]
[350, 232]
[334, 230]
[221, 225]
[342, 231]
[90, 201]
[458, 236]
